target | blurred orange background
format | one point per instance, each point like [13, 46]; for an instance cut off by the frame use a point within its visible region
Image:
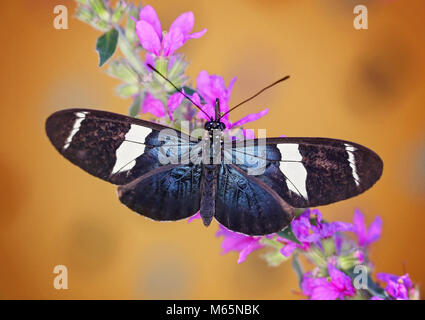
[366, 86]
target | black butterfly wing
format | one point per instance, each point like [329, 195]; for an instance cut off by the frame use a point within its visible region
[110, 146]
[246, 204]
[171, 192]
[308, 172]
[125, 151]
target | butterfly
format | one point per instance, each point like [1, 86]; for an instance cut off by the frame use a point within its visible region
[294, 172]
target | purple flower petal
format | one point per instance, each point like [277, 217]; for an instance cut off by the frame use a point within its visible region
[203, 85]
[252, 246]
[288, 249]
[149, 59]
[337, 285]
[340, 280]
[324, 290]
[360, 227]
[149, 15]
[375, 230]
[196, 98]
[250, 118]
[212, 87]
[184, 22]
[307, 284]
[148, 38]
[208, 112]
[194, 217]
[172, 41]
[366, 237]
[397, 287]
[174, 102]
[238, 242]
[230, 87]
[153, 106]
[196, 35]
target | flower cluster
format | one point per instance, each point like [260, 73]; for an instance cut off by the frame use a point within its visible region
[327, 246]
[333, 254]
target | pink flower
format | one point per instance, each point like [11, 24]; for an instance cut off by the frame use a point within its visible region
[365, 236]
[153, 106]
[156, 107]
[328, 229]
[174, 102]
[337, 286]
[154, 40]
[211, 87]
[307, 232]
[250, 118]
[238, 242]
[397, 287]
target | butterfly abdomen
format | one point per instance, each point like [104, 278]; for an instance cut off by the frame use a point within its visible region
[208, 192]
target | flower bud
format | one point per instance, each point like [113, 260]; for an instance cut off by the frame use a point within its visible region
[84, 14]
[348, 261]
[130, 29]
[119, 11]
[99, 8]
[317, 257]
[127, 90]
[177, 68]
[274, 258]
[122, 70]
[328, 246]
[100, 24]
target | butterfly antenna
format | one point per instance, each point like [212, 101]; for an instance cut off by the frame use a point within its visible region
[179, 90]
[258, 93]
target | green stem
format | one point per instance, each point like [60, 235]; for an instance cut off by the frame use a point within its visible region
[129, 52]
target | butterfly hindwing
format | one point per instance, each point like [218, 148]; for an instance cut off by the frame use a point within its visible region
[171, 192]
[246, 204]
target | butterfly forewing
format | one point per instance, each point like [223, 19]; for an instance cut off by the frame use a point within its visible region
[110, 146]
[309, 172]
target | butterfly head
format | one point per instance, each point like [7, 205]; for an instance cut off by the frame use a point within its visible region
[214, 125]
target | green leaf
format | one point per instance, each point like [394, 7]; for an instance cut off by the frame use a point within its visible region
[135, 106]
[296, 265]
[287, 233]
[190, 91]
[106, 45]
